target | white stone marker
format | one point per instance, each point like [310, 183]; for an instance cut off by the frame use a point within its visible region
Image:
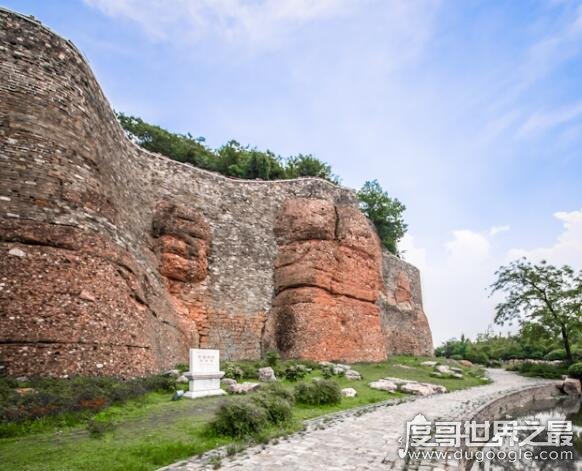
[204, 373]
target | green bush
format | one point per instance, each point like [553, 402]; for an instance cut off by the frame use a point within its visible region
[272, 358]
[250, 371]
[233, 372]
[295, 372]
[318, 392]
[51, 397]
[276, 389]
[456, 357]
[542, 370]
[278, 409]
[558, 354]
[239, 418]
[575, 370]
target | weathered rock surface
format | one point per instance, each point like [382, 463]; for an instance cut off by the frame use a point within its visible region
[383, 385]
[115, 261]
[267, 374]
[572, 387]
[353, 375]
[349, 392]
[243, 388]
[228, 381]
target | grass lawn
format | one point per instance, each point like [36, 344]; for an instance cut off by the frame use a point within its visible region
[155, 431]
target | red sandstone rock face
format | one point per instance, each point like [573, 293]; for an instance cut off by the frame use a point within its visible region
[327, 280]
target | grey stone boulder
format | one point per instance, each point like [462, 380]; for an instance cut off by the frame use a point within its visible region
[182, 379]
[267, 374]
[353, 375]
[430, 364]
[171, 373]
[383, 385]
[243, 388]
[228, 381]
[422, 389]
[349, 392]
[444, 369]
[572, 387]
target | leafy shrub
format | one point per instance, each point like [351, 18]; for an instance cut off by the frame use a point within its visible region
[318, 393]
[542, 370]
[575, 370]
[272, 358]
[233, 371]
[310, 364]
[250, 371]
[295, 372]
[327, 371]
[558, 354]
[276, 389]
[278, 409]
[239, 418]
[477, 357]
[51, 397]
[456, 357]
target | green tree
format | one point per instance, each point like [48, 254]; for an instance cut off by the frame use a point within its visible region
[385, 212]
[543, 294]
[180, 147]
[309, 166]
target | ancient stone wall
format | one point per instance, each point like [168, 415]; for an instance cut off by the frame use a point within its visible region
[116, 260]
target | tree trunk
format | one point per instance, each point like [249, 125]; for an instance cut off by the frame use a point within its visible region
[566, 341]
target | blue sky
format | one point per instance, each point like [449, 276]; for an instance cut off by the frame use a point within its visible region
[469, 112]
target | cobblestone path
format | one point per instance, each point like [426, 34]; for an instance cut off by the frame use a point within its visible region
[368, 441]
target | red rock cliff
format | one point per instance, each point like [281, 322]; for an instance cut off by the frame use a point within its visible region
[116, 261]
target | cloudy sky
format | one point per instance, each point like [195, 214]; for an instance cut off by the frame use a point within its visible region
[469, 112]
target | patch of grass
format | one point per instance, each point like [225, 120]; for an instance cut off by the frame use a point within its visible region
[152, 431]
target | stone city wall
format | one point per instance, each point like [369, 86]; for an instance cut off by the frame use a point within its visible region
[116, 260]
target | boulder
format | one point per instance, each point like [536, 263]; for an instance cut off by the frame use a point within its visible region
[572, 387]
[349, 392]
[456, 369]
[182, 379]
[171, 373]
[430, 364]
[267, 374]
[457, 375]
[383, 385]
[16, 252]
[444, 369]
[228, 381]
[25, 391]
[243, 388]
[422, 389]
[353, 375]
[466, 362]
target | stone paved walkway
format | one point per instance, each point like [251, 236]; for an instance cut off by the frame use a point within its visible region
[368, 441]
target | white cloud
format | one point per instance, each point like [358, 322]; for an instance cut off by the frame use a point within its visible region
[455, 288]
[231, 20]
[542, 121]
[498, 230]
[566, 250]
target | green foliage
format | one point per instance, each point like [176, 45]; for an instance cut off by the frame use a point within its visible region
[385, 212]
[542, 370]
[575, 370]
[295, 372]
[309, 166]
[275, 389]
[558, 354]
[233, 371]
[272, 358]
[318, 393]
[232, 159]
[278, 409]
[239, 418]
[541, 294]
[51, 397]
